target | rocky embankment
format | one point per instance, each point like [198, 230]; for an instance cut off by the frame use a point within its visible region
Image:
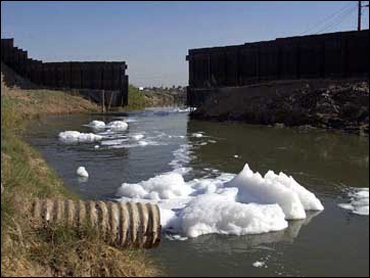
[340, 105]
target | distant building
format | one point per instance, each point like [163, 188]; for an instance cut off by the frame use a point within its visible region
[141, 88]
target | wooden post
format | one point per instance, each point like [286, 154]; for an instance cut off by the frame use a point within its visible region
[110, 100]
[103, 102]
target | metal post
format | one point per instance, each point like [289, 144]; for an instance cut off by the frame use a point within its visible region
[359, 16]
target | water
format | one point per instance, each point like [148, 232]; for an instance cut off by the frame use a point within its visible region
[331, 243]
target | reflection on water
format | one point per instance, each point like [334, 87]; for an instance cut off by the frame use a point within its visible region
[236, 245]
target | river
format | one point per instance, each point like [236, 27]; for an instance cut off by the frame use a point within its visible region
[333, 242]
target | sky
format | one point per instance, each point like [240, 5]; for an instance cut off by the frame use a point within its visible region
[154, 37]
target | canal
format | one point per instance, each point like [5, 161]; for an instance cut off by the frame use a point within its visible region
[333, 166]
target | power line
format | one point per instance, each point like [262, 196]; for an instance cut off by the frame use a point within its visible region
[337, 18]
[337, 21]
[328, 18]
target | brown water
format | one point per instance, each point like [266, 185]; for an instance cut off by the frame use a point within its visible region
[331, 243]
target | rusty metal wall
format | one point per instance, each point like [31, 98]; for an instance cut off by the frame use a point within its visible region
[94, 76]
[334, 55]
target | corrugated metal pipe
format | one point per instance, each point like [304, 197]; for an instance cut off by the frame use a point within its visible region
[122, 224]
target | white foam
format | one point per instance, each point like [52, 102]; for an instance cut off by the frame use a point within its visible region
[137, 136]
[358, 201]
[124, 143]
[113, 142]
[258, 264]
[75, 137]
[181, 157]
[170, 110]
[143, 143]
[81, 171]
[176, 237]
[167, 216]
[165, 186]
[117, 125]
[213, 213]
[307, 198]
[197, 135]
[183, 170]
[179, 110]
[114, 126]
[211, 185]
[130, 120]
[227, 204]
[273, 189]
[97, 124]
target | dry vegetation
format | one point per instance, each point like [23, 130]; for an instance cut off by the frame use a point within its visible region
[27, 250]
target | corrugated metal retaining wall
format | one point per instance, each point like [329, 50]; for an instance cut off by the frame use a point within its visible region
[91, 77]
[334, 55]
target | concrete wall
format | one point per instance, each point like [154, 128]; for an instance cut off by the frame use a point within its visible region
[334, 55]
[91, 77]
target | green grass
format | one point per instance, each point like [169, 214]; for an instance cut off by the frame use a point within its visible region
[21, 165]
[136, 100]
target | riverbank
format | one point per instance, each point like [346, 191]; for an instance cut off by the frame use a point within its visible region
[329, 104]
[138, 100]
[55, 251]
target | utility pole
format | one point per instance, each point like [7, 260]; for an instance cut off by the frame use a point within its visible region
[359, 10]
[359, 16]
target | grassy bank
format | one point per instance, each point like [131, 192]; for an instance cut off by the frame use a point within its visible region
[138, 100]
[27, 250]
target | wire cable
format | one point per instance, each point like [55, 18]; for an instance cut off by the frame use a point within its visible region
[337, 21]
[328, 18]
